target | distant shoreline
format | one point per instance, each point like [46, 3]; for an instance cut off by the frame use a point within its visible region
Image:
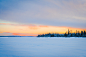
[17, 36]
[30, 36]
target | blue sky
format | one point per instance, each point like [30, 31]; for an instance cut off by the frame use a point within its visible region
[70, 13]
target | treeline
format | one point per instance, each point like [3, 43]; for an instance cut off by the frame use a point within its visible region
[77, 34]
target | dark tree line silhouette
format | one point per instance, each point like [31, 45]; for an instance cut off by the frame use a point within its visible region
[69, 34]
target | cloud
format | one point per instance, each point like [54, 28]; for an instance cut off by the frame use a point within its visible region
[8, 24]
[24, 34]
[5, 34]
[16, 34]
[47, 12]
[43, 26]
[30, 26]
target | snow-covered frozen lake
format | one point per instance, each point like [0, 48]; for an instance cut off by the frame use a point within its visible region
[42, 47]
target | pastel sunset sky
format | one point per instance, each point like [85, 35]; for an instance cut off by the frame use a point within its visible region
[33, 17]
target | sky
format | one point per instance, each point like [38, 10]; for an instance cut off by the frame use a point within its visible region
[33, 17]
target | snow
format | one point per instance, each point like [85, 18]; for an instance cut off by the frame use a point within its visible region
[42, 47]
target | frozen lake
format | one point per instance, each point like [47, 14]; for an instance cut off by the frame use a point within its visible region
[42, 47]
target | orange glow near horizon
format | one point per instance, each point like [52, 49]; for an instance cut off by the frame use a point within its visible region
[34, 30]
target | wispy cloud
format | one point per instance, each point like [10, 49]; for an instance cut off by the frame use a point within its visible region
[32, 29]
[24, 34]
[17, 34]
[30, 26]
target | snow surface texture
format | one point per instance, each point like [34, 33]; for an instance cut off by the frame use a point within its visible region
[42, 47]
